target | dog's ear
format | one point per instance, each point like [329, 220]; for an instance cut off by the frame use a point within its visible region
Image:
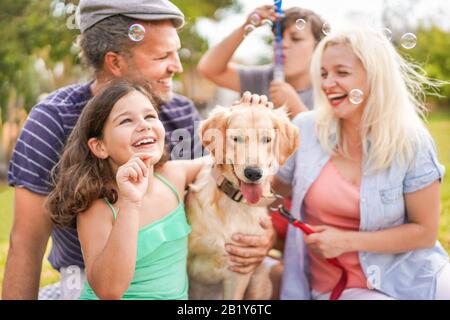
[213, 132]
[288, 135]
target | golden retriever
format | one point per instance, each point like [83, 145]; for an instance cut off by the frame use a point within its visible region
[247, 143]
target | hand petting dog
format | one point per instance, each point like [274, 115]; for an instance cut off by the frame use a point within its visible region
[254, 100]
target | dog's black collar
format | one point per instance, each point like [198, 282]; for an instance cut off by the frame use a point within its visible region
[226, 186]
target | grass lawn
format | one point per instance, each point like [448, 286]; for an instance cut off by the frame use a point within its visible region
[439, 125]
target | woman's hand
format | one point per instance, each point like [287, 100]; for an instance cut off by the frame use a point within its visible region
[258, 15]
[283, 93]
[254, 100]
[132, 177]
[328, 242]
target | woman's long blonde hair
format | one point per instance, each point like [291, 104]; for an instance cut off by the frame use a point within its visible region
[391, 126]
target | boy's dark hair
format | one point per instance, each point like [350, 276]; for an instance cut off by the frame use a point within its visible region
[291, 15]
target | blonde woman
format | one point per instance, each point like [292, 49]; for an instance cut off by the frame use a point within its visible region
[366, 178]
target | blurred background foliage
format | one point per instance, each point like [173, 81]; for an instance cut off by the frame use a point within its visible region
[38, 51]
[38, 54]
[433, 49]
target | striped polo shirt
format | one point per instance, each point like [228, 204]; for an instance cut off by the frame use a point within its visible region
[45, 133]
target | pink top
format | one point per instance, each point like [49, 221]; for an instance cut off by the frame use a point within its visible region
[333, 201]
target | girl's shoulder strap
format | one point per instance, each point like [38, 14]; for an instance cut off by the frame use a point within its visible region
[111, 207]
[167, 183]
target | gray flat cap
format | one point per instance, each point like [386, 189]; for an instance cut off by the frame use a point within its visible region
[93, 11]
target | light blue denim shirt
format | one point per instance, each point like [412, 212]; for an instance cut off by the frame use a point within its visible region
[408, 275]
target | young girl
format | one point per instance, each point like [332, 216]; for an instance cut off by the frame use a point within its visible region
[126, 200]
[366, 176]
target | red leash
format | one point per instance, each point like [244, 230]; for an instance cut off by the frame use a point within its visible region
[340, 286]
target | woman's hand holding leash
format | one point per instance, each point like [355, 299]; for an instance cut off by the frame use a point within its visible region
[322, 243]
[328, 242]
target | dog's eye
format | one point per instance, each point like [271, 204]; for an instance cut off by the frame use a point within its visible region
[238, 139]
[266, 139]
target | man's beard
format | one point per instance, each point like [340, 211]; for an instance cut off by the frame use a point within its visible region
[160, 97]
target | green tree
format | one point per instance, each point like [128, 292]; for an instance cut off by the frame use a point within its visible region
[29, 32]
[432, 51]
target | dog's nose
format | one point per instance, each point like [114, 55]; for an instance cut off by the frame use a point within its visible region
[253, 173]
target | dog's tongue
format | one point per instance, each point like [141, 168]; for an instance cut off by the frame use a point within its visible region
[251, 192]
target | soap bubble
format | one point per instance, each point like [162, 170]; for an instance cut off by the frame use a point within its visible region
[387, 33]
[249, 28]
[136, 32]
[255, 19]
[408, 40]
[300, 24]
[326, 28]
[356, 96]
[268, 22]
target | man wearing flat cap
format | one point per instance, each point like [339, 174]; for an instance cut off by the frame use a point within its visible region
[119, 39]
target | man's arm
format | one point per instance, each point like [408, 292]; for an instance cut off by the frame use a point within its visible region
[28, 241]
[250, 250]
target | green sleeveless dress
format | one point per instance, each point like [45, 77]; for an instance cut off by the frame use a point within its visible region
[161, 262]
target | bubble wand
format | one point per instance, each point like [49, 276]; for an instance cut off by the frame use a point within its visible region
[278, 70]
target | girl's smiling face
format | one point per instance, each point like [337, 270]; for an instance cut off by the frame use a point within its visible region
[342, 74]
[132, 127]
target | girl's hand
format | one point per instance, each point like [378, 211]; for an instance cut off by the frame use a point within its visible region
[283, 93]
[132, 177]
[261, 13]
[328, 242]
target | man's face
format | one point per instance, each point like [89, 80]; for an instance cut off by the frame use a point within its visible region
[156, 59]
